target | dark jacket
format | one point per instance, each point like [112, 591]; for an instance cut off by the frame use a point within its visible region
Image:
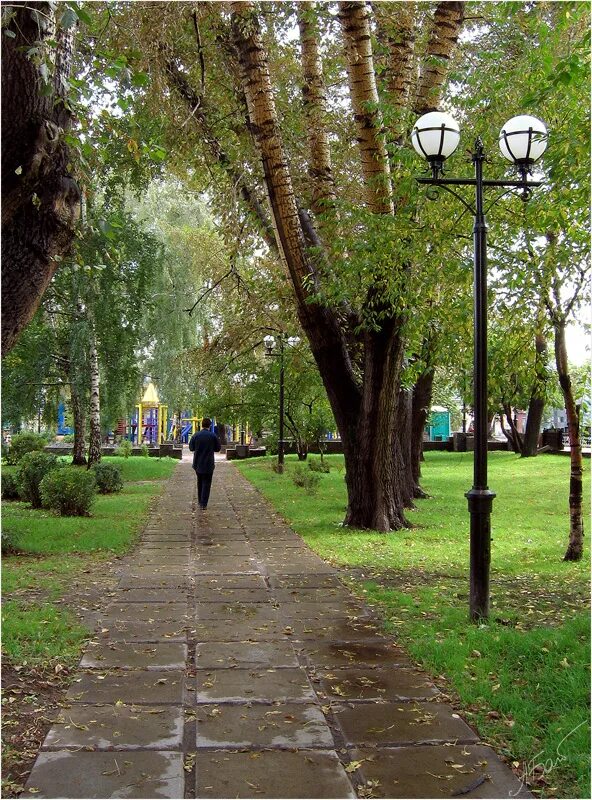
[203, 445]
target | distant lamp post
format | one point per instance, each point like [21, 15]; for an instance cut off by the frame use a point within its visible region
[270, 345]
[522, 140]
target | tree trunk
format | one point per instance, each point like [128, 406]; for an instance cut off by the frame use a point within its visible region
[315, 110]
[513, 436]
[536, 405]
[575, 548]
[354, 18]
[446, 26]
[420, 410]
[78, 457]
[94, 449]
[40, 199]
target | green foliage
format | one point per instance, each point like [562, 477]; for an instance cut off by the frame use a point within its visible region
[10, 487]
[108, 477]
[144, 450]
[320, 465]
[24, 443]
[10, 541]
[68, 438]
[124, 448]
[306, 479]
[32, 468]
[70, 491]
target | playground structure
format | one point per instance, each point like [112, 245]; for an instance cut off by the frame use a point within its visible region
[150, 419]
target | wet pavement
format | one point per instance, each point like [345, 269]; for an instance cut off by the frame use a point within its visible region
[231, 661]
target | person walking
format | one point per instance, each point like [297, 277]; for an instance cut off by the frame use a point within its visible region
[203, 445]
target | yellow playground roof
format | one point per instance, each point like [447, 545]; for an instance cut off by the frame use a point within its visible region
[150, 396]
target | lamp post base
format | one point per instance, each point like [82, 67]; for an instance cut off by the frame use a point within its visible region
[480, 505]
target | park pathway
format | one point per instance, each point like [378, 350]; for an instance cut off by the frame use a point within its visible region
[232, 662]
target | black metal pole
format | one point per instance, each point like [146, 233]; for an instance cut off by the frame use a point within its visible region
[281, 441]
[480, 497]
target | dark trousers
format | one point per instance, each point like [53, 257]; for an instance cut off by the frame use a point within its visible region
[204, 484]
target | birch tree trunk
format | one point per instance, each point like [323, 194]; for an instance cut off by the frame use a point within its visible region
[94, 449]
[78, 456]
[575, 548]
[40, 198]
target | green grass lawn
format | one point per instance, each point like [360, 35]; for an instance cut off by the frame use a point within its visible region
[55, 551]
[523, 679]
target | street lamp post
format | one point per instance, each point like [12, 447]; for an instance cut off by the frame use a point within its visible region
[522, 140]
[270, 344]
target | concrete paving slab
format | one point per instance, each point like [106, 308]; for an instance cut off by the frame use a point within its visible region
[146, 596]
[342, 654]
[395, 683]
[135, 631]
[229, 565]
[150, 687]
[285, 568]
[217, 655]
[233, 547]
[161, 655]
[332, 630]
[428, 772]
[99, 775]
[169, 559]
[305, 581]
[156, 572]
[280, 774]
[154, 582]
[254, 685]
[285, 725]
[329, 610]
[116, 727]
[228, 630]
[212, 595]
[243, 581]
[401, 723]
[249, 612]
[146, 612]
[328, 595]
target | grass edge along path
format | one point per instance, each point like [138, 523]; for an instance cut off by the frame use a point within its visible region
[60, 559]
[523, 679]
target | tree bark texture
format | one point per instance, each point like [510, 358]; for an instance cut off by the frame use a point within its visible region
[354, 18]
[78, 456]
[536, 405]
[396, 26]
[315, 110]
[575, 548]
[94, 449]
[40, 198]
[446, 26]
[420, 410]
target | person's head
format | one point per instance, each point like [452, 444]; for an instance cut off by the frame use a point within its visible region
[206, 422]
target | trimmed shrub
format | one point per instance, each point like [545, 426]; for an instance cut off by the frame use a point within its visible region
[10, 542]
[10, 488]
[32, 468]
[70, 491]
[144, 450]
[124, 449]
[108, 478]
[318, 466]
[306, 479]
[24, 443]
